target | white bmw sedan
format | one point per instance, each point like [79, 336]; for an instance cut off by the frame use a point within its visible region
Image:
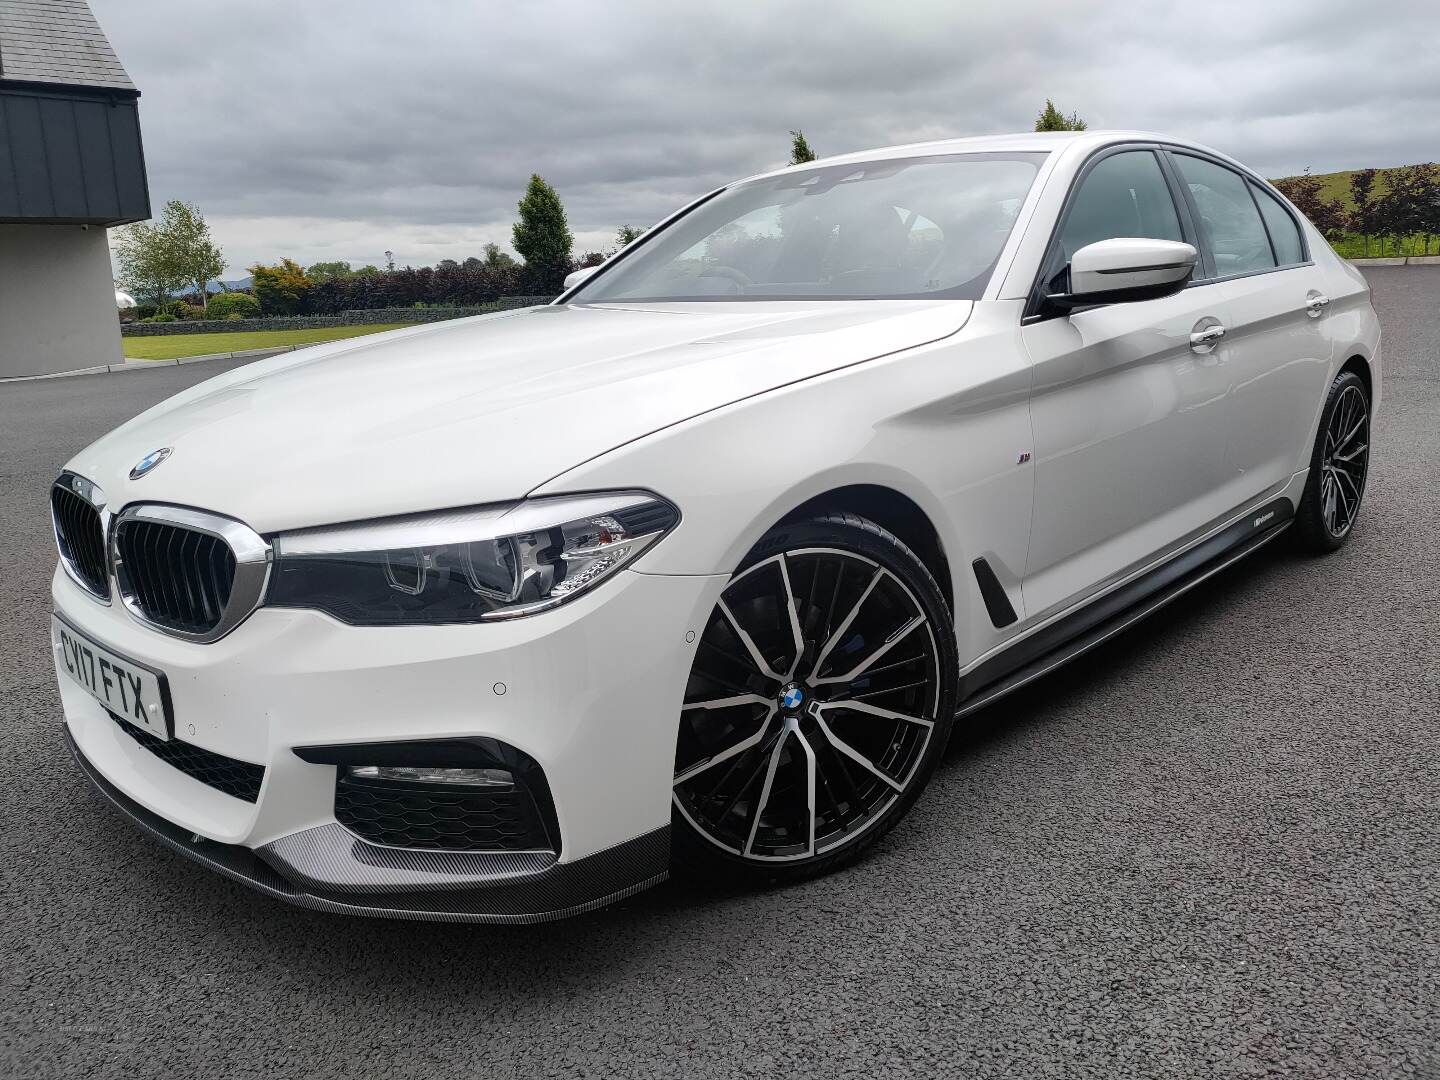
[698, 567]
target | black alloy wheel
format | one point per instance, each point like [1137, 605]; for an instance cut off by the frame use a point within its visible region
[1338, 467]
[820, 699]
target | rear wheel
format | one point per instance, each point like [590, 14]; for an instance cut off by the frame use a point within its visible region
[1339, 464]
[820, 699]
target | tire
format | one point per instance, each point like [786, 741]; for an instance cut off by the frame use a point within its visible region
[1339, 466]
[791, 762]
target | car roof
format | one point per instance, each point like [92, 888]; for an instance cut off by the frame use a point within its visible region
[1017, 142]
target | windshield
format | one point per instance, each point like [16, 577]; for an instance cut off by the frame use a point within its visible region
[929, 227]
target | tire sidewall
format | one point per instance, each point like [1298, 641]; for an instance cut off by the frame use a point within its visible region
[1311, 533]
[694, 855]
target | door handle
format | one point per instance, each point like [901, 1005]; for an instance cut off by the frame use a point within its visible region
[1205, 340]
[1316, 304]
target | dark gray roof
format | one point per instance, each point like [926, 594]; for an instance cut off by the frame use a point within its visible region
[57, 41]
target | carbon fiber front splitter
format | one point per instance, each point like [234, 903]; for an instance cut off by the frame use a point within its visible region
[329, 869]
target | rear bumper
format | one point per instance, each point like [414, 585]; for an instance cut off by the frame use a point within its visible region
[327, 868]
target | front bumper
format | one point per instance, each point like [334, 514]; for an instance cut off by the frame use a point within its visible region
[590, 691]
[508, 890]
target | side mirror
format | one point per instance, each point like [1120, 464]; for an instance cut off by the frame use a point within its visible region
[575, 277]
[1126, 269]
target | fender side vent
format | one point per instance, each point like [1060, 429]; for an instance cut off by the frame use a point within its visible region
[991, 591]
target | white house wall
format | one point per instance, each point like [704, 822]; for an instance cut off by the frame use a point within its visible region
[57, 300]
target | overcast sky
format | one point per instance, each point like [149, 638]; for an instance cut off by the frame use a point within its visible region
[340, 130]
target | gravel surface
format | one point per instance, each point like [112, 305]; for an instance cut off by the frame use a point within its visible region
[1208, 851]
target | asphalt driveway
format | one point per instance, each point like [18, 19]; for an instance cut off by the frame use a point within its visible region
[1210, 850]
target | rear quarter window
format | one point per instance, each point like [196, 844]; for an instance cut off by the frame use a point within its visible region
[1284, 233]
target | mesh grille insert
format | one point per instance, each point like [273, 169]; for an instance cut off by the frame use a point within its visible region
[82, 541]
[179, 578]
[414, 816]
[240, 779]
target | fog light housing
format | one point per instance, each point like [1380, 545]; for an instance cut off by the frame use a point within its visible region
[414, 774]
[463, 794]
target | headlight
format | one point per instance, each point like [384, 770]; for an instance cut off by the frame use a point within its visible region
[463, 566]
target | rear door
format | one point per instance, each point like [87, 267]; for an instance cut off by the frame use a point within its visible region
[1278, 353]
[1127, 413]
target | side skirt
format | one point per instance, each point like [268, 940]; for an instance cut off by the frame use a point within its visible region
[1078, 633]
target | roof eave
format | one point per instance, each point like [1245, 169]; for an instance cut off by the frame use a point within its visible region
[44, 86]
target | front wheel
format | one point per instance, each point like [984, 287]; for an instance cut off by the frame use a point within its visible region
[1339, 465]
[820, 699]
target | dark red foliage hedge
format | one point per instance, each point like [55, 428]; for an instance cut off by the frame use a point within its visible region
[442, 285]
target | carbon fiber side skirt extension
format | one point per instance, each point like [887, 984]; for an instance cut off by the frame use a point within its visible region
[1078, 633]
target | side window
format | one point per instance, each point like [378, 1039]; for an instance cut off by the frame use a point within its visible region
[1123, 195]
[1284, 233]
[1229, 220]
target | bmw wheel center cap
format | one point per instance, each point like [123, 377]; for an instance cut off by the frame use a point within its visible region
[792, 698]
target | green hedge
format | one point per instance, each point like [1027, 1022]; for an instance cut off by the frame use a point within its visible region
[232, 305]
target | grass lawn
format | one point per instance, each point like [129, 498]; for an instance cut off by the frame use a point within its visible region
[1353, 246]
[172, 346]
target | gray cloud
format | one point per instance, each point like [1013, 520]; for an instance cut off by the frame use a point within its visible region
[338, 130]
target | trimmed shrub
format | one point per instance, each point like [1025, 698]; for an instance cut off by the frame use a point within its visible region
[238, 305]
[164, 316]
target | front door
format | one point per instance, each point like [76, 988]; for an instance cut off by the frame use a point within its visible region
[1128, 414]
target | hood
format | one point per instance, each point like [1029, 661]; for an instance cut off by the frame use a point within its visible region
[477, 410]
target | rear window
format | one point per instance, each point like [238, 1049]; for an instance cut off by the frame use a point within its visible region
[1229, 220]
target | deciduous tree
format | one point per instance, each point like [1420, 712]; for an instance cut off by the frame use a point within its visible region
[1307, 193]
[158, 260]
[1408, 207]
[495, 257]
[627, 234]
[281, 289]
[147, 264]
[324, 271]
[1362, 199]
[542, 237]
[1430, 203]
[192, 250]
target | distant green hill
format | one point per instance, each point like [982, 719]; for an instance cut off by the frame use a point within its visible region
[1336, 186]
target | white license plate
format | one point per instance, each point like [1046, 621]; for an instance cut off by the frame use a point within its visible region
[131, 691]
